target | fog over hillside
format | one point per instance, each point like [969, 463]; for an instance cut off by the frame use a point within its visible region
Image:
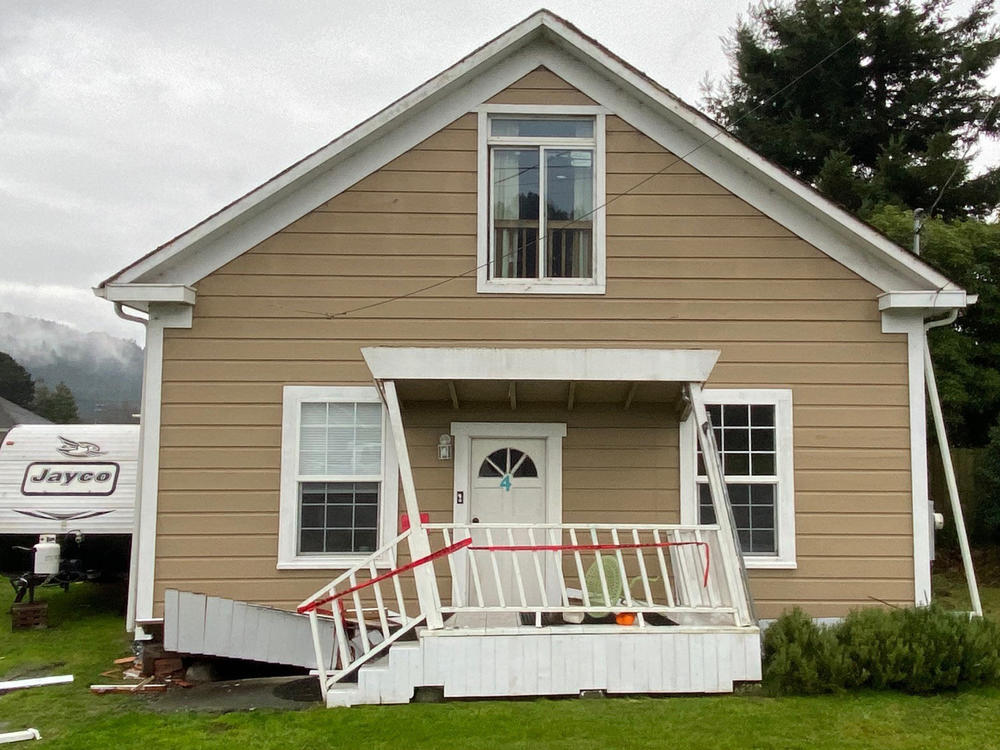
[104, 372]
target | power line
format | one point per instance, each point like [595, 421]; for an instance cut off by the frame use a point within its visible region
[682, 157]
[965, 154]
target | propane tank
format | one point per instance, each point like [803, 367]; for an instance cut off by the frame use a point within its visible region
[47, 555]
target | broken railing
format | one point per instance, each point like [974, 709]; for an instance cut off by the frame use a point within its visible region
[372, 605]
[550, 573]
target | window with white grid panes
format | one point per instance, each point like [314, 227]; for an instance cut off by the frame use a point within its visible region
[339, 477]
[541, 183]
[745, 435]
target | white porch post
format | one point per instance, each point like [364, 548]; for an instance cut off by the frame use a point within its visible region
[949, 475]
[418, 541]
[729, 543]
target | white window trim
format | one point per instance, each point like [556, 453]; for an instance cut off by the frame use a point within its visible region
[781, 398]
[595, 285]
[288, 516]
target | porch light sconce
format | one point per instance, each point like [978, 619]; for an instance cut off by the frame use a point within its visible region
[444, 447]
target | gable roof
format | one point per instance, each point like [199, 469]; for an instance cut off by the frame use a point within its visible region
[12, 414]
[546, 40]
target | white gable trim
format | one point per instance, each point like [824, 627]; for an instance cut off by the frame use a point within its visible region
[464, 87]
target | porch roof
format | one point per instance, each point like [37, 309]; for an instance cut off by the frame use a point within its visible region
[593, 375]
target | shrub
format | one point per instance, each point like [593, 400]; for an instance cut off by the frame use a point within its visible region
[914, 650]
[801, 656]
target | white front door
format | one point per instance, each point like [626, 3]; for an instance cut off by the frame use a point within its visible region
[507, 486]
[507, 473]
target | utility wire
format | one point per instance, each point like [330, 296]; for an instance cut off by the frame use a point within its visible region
[682, 157]
[961, 161]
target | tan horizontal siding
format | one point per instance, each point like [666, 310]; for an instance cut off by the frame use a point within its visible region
[689, 266]
[285, 288]
[430, 265]
[535, 332]
[540, 87]
[223, 349]
[235, 395]
[274, 371]
[336, 245]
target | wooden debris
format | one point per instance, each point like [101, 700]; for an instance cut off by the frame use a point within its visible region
[151, 687]
[132, 674]
[125, 660]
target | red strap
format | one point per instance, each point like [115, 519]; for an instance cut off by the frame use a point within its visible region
[409, 566]
[500, 548]
[592, 547]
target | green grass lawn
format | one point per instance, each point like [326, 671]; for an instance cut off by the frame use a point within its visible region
[87, 635]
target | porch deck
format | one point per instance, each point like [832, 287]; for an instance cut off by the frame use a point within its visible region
[549, 609]
[541, 608]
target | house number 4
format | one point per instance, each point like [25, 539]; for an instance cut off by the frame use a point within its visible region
[505, 482]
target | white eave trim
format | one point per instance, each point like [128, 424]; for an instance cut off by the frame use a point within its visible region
[142, 294]
[609, 365]
[936, 300]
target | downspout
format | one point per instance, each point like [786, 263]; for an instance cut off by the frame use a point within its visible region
[120, 312]
[949, 469]
[133, 563]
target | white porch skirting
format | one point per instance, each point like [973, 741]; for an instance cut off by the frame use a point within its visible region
[558, 661]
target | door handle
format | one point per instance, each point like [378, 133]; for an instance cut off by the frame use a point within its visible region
[475, 520]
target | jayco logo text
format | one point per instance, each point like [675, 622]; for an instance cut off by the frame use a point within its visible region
[76, 478]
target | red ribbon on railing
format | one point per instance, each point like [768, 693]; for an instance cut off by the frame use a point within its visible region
[502, 548]
[385, 576]
[592, 547]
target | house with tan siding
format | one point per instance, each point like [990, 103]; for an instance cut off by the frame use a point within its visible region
[535, 382]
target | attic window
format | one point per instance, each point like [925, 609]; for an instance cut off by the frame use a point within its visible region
[541, 202]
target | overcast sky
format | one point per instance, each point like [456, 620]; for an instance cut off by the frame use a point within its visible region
[124, 123]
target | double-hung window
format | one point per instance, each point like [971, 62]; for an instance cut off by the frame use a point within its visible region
[753, 432]
[543, 227]
[338, 477]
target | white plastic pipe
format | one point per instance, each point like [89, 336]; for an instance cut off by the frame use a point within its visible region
[949, 470]
[35, 682]
[24, 734]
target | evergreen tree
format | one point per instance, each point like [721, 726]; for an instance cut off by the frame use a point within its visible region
[15, 382]
[886, 114]
[986, 522]
[57, 405]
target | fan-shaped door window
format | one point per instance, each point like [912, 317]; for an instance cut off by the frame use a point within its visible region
[508, 462]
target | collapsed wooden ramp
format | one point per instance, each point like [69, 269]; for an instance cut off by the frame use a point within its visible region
[214, 626]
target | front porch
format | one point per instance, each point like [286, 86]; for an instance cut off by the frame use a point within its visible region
[517, 602]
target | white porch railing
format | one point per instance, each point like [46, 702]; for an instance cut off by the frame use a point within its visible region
[584, 572]
[547, 573]
[370, 611]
